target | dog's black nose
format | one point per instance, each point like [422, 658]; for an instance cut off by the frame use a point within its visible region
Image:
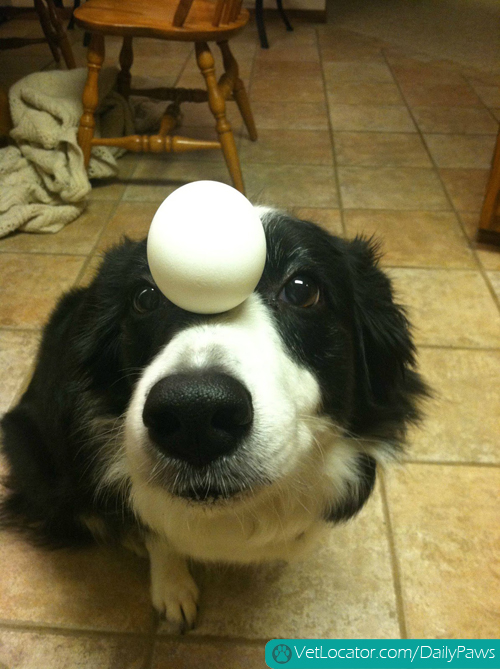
[198, 416]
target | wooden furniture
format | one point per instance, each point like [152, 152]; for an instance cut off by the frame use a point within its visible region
[489, 223]
[198, 21]
[53, 30]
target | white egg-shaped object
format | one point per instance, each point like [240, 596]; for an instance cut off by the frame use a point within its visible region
[206, 247]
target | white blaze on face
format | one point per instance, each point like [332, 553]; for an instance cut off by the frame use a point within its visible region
[245, 344]
[305, 462]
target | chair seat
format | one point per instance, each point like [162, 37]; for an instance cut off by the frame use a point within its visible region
[153, 18]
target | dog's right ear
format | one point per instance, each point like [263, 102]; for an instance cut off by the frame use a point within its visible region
[387, 385]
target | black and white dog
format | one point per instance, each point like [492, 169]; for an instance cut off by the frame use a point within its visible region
[233, 437]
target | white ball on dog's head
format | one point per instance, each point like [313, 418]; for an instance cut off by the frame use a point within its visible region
[206, 247]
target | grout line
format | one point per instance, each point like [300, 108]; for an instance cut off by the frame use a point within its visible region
[451, 347]
[90, 255]
[25, 626]
[41, 253]
[450, 463]
[208, 638]
[332, 137]
[154, 635]
[395, 567]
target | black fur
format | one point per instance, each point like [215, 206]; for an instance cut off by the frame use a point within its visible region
[356, 341]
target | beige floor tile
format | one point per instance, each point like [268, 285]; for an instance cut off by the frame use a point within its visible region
[412, 72]
[77, 237]
[303, 32]
[331, 34]
[391, 188]
[281, 51]
[344, 589]
[445, 521]
[309, 147]
[494, 277]
[90, 270]
[31, 284]
[466, 187]
[290, 115]
[332, 52]
[390, 149]
[462, 420]
[17, 353]
[362, 93]
[329, 219]
[381, 118]
[93, 589]
[36, 650]
[414, 238]
[199, 115]
[157, 176]
[208, 655]
[459, 120]
[291, 185]
[448, 307]
[113, 189]
[461, 151]
[131, 219]
[264, 69]
[164, 68]
[340, 72]
[490, 95]
[477, 77]
[145, 46]
[276, 89]
[441, 95]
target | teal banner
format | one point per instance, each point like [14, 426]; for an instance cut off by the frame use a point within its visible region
[386, 654]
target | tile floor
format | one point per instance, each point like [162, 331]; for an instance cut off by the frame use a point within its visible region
[361, 137]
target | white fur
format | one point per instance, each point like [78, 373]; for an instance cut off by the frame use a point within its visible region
[304, 456]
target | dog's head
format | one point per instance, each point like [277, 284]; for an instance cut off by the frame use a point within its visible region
[307, 381]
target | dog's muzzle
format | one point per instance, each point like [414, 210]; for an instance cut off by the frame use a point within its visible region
[198, 417]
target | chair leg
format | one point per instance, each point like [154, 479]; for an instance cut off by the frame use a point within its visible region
[126, 60]
[217, 105]
[95, 59]
[61, 36]
[239, 91]
[284, 17]
[261, 27]
[48, 29]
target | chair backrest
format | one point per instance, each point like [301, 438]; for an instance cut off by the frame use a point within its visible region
[225, 11]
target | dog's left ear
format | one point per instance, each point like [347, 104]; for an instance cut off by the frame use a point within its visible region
[387, 385]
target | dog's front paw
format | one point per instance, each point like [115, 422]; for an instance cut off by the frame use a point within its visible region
[175, 597]
[173, 590]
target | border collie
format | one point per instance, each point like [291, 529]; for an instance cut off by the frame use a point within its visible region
[233, 437]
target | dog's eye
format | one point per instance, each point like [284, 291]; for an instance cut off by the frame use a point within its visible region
[146, 299]
[301, 291]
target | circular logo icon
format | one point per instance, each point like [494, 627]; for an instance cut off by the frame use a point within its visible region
[281, 653]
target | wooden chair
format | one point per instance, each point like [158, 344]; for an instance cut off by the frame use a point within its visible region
[198, 21]
[53, 31]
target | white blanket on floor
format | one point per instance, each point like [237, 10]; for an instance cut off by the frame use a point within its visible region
[43, 182]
